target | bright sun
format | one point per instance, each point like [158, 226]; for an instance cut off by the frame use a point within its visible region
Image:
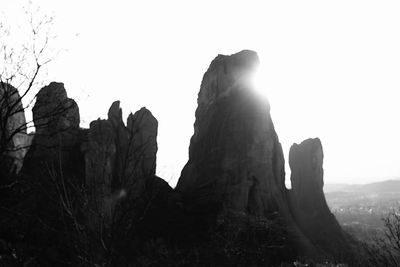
[258, 81]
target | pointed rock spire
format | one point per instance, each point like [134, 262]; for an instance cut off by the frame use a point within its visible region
[308, 202]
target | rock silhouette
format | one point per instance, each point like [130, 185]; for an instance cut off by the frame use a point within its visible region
[97, 189]
[236, 164]
[308, 199]
[13, 131]
[100, 153]
[235, 158]
[102, 177]
[55, 146]
[54, 112]
[120, 160]
[142, 128]
[305, 162]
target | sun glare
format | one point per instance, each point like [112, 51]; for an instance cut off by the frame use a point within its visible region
[258, 81]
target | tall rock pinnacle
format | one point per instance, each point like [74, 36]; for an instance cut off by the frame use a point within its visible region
[235, 158]
[307, 180]
[236, 164]
[308, 202]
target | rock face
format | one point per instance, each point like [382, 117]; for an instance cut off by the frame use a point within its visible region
[120, 140]
[53, 170]
[103, 176]
[142, 128]
[14, 140]
[54, 112]
[235, 158]
[236, 164]
[119, 160]
[100, 151]
[55, 146]
[307, 181]
[308, 200]
[98, 186]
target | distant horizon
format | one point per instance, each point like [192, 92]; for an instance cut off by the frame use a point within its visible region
[368, 182]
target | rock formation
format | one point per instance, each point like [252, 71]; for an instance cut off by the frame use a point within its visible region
[55, 146]
[54, 112]
[235, 158]
[100, 151]
[53, 170]
[103, 177]
[14, 140]
[120, 165]
[119, 160]
[96, 188]
[136, 145]
[308, 200]
[121, 140]
[142, 128]
[307, 181]
[236, 164]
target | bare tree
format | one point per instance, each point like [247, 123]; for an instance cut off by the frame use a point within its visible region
[385, 250]
[98, 218]
[25, 51]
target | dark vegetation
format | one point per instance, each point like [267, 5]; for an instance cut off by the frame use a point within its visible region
[57, 231]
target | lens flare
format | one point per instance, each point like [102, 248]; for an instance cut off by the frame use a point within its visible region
[258, 81]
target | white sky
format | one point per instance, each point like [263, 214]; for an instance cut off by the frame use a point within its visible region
[331, 69]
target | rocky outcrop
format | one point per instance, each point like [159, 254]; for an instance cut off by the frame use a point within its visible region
[119, 160]
[121, 140]
[307, 181]
[236, 164]
[136, 145]
[124, 194]
[54, 112]
[308, 200]
[52, 175]
[98, 186]
[55, 147]
[103, 177]
[235, 158]
[14, 140]
[100, 153]
[142, 128]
